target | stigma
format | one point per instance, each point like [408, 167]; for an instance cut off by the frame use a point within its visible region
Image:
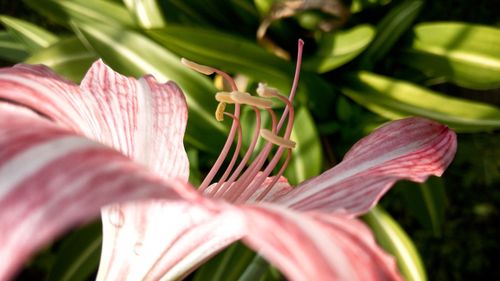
[251, 180]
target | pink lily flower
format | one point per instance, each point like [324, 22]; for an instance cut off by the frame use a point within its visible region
[67, 150]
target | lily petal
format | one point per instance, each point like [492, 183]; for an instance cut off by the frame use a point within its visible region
[160, 240]
[52, 179]
[313, 246]
[141, 118]
[412, 148]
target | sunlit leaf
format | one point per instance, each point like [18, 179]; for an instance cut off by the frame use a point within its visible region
[226, 51]
[307, 157]
[78, 257]
[147, 13]
[63, 11]
[132, 53]
[390, 29]
[10, 49]
[30, 35]
[395, 99]
[68, 57]
[393, 238]
[238, 55]
[465, 54]
[339, 48]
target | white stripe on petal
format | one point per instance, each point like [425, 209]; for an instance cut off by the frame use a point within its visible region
[31, 160]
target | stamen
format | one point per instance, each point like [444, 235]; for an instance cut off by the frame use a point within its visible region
[244, 98]
[224, 97]
[264, 91]
[288, 112]
[220, 192]
[276, 177]
[241, 187]
[273, 138]
[219, 112]
[207, 70]
[233, 159]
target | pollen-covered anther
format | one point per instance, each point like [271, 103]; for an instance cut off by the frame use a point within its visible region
[277, 140]
[198, 67]
[224, 97]
[219, 112]
[245, 98]
[264, 91]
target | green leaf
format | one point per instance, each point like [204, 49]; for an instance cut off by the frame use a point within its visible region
[63, 11]
[132, 53]
[395, 99]
[393, 238]
[339, 48]
[68, 57]
[307, 157]
[427, 202]
[226, 51]
[32, 36]
[465, 54]
[238, 55]
[226, 266]
[389, 30]
[147, 13]
[79, 255]
[360, 5]
[10, 49]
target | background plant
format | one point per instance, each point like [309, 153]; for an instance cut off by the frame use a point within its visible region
[366, 62]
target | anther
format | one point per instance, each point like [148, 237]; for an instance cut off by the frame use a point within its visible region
[264, 91]
[244, 98]
[198, 67]
[273, 138]
[219, 112]
[224, 97]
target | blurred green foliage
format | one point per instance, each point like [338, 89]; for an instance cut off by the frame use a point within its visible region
[366, 61]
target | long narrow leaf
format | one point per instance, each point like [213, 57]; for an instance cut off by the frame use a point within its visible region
[226, 51]
[147, 13]
[465, 54]
[10, 49]
[390, 29]
[394, 239]
[67, 57]
[79, 255]
[63, 11]
[32, 36]
[395, 99]
[236, 54]
[340, 48]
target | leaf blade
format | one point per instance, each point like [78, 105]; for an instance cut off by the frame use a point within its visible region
[465, 54]
[394, 239]
[395, 99]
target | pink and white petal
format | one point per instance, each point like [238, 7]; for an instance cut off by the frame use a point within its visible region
[164, 240]
[52, 179]
[312, 246]
[412, 148]
[141, 118]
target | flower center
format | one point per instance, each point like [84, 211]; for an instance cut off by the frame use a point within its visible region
[245, 182]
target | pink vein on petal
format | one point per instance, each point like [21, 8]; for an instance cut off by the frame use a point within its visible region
[412, 148]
